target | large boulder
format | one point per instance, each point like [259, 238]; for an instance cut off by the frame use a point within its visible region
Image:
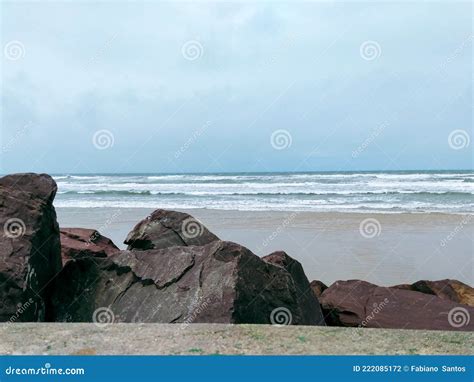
[359, 303]
[318, 287]
[307, 300]
[221, 282]
[163, 229]
[82, 242]
[30, 252]
[452, 290]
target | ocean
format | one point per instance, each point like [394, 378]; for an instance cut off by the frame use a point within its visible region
[405, 191]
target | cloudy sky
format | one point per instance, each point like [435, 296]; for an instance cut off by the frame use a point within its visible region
[112, 86]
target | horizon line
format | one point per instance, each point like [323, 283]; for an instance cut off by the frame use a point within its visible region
[239, 172]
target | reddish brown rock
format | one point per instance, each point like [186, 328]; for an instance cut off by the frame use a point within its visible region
[447, 289]
[163, 229]
[318, 287]
[82, 242]
[221, 282]
[30, 253]
[359, 303]
[308, 302]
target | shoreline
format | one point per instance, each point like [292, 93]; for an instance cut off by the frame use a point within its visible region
[330, 246]
[340, 212]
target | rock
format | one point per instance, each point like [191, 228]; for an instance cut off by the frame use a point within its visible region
[163, 229]
[221, 282]
[30, 252]
[308, 302]
[452, 290]
[318, 287]
[359, 303]
[402, 286]
[82, 242]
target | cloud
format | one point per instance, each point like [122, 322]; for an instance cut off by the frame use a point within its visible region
[261, 67]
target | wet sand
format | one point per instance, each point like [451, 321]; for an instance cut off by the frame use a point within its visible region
[404, 247]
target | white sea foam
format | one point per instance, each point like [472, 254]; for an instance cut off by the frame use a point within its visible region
[420, 191]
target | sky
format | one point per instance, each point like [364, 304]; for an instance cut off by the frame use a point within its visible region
[123, 87]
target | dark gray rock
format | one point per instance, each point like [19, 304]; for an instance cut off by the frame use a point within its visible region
[309, 305]
[30, 252]
[163, 229]
[221, 282]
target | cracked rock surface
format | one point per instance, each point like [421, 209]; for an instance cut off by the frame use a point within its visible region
[30, 253]
[163, 229]
[312, 314]
[84, 242]
[221, 282]
[359, 303]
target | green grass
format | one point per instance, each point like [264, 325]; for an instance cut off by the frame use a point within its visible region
[302, 339]
[196, 350]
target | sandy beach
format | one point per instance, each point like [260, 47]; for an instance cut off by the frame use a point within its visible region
[405, 247]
